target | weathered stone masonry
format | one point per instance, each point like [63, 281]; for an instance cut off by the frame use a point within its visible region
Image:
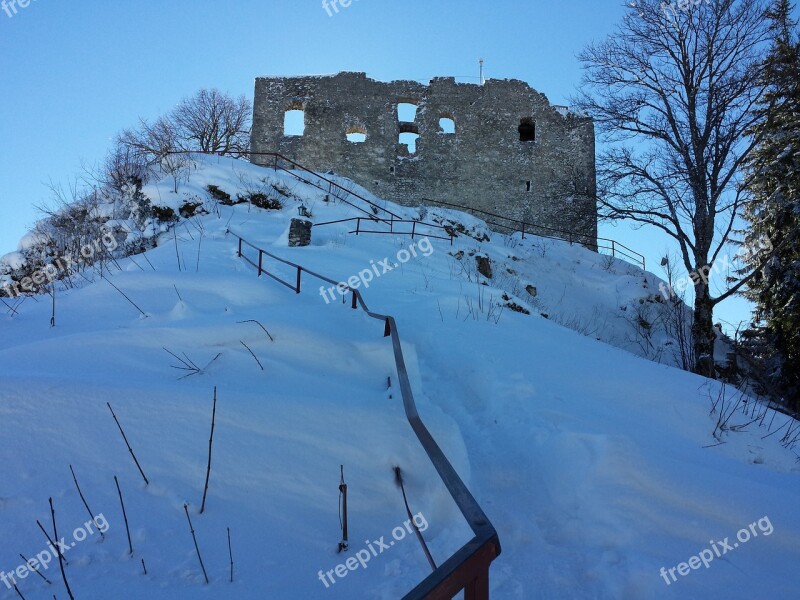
[511, 153]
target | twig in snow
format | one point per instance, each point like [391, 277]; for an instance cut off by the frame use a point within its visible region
[194, 537]
[230, 552]
[253, 353]
[89, 510]
[60, 555]
[16, 589]
[35, 570]
[126, 297]
[124, 516]
[260, 325]
[189, 365]
[210, 444]
[124, 437]
[144, 255]
[53, 546]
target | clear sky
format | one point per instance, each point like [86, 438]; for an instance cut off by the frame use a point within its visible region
[72, 74]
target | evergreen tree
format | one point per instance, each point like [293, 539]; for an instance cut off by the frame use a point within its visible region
[773, 210]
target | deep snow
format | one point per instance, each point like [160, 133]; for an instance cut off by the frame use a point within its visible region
[591, 461]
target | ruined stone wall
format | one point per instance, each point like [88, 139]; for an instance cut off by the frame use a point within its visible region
[549, 180]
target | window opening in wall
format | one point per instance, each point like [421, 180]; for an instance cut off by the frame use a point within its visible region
[410, 140]
[356, 135]
[406, 112]
[447, 125]
[527, 130]
[294, 121]
[528, 186]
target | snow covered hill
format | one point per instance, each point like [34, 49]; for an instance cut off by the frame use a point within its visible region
[597, 466]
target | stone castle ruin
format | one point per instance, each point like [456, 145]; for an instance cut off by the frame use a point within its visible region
[500, 146]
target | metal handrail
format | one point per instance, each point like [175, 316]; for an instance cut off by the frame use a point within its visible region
[413, 233]
[615, 246]
[467, 569]
[331, 184]
[572, 236]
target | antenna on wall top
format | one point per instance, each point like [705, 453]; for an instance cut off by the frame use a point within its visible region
[481, 63]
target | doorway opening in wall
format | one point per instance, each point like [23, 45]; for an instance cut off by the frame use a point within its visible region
[294, 121]
[410, 140]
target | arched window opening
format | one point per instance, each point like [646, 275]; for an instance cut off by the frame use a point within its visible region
[447, 125]
[356, 135]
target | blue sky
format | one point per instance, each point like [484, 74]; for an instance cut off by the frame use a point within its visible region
[75, 73]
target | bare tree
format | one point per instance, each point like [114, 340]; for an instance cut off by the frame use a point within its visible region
[211, 121]
[673, 92]
[151, 143]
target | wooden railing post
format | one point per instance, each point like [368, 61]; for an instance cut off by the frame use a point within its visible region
[413, 229]
[358, 224]
[523, 230]
[478, 588]
[239, 253]
[260, 261]
[299, 271]
[355, 300]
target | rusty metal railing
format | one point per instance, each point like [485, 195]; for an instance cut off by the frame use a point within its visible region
[417, 228]
[516, 225]
[467, 570]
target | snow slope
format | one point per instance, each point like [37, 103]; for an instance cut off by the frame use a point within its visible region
[593, 463]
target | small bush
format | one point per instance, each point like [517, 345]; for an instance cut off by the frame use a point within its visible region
[164, 214]
[191, 209]
[219, 195]
[261, 201]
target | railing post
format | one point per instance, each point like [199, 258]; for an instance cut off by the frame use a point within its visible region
[413, 229]
[299, 271]
[354, 304]
[358, 224]
[387, 329]
[239, 253]
[523, 230]
[478, 588]
[260, 261]
[613, 249]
